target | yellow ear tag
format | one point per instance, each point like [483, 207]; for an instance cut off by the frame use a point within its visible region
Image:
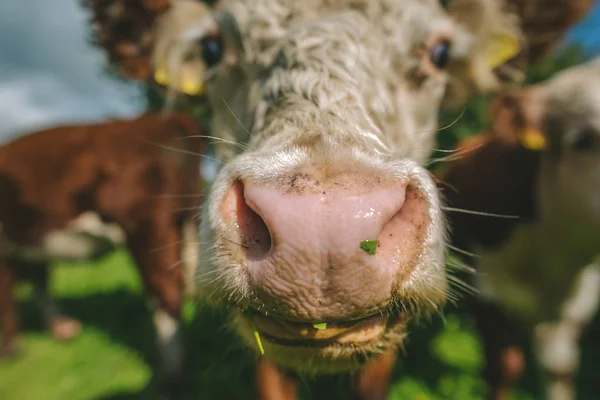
[191, 86]
[533, 139]
[503, 48]
[160, 75]
[191, 81]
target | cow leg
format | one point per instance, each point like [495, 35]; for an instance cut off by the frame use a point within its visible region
[557, 344]
[170, 349]
[9, 318]
[504, 358]
[370, 383]
[190, 255]
[156, 252]
[373, 381]
[273, 383]
[60, 326]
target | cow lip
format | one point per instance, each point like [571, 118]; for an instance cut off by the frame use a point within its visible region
[292, 333]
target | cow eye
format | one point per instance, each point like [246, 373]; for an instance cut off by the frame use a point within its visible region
[212, 49]
[583, 140]
[439, 54]
[445, 3]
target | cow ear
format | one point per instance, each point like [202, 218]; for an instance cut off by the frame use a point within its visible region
[503, 47]
[487, 42]
[493, 34]
[188, 47]
[128, 49]
[516, 118]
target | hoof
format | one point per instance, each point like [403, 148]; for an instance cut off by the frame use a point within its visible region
[63, 328]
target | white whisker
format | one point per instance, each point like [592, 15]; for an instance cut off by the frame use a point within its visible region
[454, 267]
[178, 242]
[194, 208]
[175, 265]
[457, 154]
[482, 213]
[235, 116]
[450, 125]
[178, 195]
[221, 140]
[461, 251]
[185, 152]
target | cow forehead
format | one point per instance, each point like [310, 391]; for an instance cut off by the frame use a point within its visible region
[263, 24]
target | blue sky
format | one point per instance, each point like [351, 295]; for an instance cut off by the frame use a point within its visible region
[587, 32]
[49, 74]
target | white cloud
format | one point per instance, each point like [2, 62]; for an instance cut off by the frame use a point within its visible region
[49, 74]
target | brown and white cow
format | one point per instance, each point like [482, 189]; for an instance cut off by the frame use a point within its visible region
[542, 165]
[323, 231]
[75, 192]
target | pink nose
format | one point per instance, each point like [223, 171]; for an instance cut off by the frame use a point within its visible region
[327, 250]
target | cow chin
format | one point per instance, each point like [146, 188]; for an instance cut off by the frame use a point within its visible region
[334, 348]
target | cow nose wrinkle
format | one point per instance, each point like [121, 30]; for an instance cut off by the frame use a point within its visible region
[255, 235]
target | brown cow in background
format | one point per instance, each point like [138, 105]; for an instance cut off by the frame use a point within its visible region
[538, 175]
[545, 22]
[74, 192]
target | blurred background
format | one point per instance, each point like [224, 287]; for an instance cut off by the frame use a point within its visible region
[50, 74]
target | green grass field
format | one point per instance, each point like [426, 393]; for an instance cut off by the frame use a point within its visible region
[112, 357]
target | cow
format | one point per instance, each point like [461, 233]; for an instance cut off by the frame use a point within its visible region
[323, 232]
[545, 22]
[75, 192]
[535, 178]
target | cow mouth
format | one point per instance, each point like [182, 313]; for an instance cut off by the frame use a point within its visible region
[354, 333]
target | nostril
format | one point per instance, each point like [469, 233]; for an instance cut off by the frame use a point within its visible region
[402, 236]
[255, 235]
